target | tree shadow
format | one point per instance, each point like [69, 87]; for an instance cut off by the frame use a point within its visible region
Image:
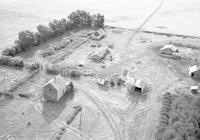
[52, 110]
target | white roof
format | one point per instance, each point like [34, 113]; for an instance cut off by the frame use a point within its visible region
[101, 31]
[194, 87]
[140, 83]
[101, 81]
[193, 68]
[171, 47]
[130, 80]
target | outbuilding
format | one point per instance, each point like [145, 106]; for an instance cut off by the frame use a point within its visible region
[100, 54]
[54, 89]
[168, 49]
[194, 89]
[98, 35]
[194, 71]
[102, 81]
[137, 86]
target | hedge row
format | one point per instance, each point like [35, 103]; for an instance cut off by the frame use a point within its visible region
[64, 71]
[27, 39]
[58, 46]
[164, 115]
[11, 61]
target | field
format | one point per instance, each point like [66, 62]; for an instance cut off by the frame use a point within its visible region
[107, 114]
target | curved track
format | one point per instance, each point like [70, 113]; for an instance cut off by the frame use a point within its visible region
[106, 114]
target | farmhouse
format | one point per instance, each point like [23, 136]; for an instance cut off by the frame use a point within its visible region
[194, 71]
[168, 49]
[99, 55]
[56, 88]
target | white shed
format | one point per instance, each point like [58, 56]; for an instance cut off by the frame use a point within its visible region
[168, 49]
[194, 71]
[136, 86]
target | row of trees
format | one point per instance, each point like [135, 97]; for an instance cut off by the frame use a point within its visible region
[183, 119]
[10, 61]
[164, 115]
[27, 39]
[64, 71]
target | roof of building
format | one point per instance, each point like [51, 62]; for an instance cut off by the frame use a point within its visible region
[193, 68]
[130, 80]
[100, 52]
[171, 47]
[194, 87]
[140, 83]
[101, 31]
[125, 73]
[58, 83]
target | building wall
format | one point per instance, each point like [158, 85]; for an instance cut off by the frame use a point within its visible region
[49, 93]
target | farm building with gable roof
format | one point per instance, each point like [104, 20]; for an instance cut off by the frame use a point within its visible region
[100, 54]
[56, 88]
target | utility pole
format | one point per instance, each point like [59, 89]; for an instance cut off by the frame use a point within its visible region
[4, 76]
[80, 123]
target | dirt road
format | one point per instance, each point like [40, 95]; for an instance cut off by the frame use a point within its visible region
[106, 113]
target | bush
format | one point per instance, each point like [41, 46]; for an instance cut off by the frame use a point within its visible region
[11, 61]
[75, 74]
[53, 69]
[112, 82]
[48, 52]
[34, 66]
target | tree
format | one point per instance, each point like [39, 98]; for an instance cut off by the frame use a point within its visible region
[80, 18]
[26, 39]
[53, 26]
[63, 24]
[98, 20]
[43, 33]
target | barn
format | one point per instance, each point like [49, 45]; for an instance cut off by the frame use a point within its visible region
[54, 89]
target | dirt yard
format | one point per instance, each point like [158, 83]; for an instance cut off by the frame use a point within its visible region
[107, 114]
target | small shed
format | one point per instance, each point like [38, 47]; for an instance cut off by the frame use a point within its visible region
[140, 85]
[54, 89]
[98, 35]
[102, 81]
[125, 73]
[137, 86]
[194, 71]
[194, 89]
[168, 49]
